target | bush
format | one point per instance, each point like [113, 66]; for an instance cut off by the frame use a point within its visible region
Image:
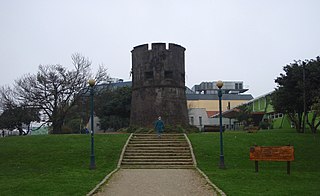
[264, 125]
[252, 129]
[71, 126]
[135, 129]
[167, 129]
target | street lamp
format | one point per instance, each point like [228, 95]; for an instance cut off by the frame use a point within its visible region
[221, 165]
[92, 82]
[304, 96]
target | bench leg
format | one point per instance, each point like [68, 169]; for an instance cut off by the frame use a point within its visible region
[256, 166]
[288, 167]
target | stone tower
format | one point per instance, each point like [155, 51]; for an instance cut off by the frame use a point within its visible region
[158, 85]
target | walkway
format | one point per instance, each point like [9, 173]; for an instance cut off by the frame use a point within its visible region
[156, 182]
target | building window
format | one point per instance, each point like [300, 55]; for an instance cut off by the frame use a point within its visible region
[200, 120]
[191, 120]
[148, 75]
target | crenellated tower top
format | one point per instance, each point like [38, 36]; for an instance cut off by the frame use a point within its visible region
[158, 66]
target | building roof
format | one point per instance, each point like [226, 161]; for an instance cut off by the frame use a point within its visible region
[104, 86]
[233, 111]
[190, 95]
[211, 113]
[215, 97]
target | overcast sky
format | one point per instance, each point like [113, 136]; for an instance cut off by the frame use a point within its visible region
[243, 40]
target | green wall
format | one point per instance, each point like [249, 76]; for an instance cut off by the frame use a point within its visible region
[283, 122]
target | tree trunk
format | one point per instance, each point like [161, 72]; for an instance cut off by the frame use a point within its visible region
[297, 120]
[20, 131]
[313, 125]
[316, 127]
[57, 127]
[28, 131]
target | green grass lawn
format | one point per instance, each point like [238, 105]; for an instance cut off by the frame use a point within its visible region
[59, 164]
[239, 178]
[56, 164]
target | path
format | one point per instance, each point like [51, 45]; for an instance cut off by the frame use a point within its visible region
[156, 182]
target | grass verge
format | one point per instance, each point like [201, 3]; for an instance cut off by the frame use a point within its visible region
[239, 177]
[56, 164]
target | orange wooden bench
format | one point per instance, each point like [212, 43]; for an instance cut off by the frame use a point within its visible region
[272, 153]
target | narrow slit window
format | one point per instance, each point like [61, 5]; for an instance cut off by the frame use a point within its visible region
[148, 75]
[168, 74]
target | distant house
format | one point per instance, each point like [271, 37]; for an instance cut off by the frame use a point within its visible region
[203, 102]
[261, 110]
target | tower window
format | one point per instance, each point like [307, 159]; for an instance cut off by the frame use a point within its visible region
[168, 74]
[148, 75]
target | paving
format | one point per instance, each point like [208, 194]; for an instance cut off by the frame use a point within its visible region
[153, 165]
[156, 182]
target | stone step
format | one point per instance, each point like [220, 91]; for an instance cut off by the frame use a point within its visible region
[157, 160]
[157, 157]
[159, 145]
[150, 134]
[157, 166]
[156, 163]
[172, 150]
[147, 136]
[158, 154]
[155, 137]
[157, 142]
[149, 151]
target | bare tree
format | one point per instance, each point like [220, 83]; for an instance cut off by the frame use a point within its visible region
[54, 89]
[7, 98]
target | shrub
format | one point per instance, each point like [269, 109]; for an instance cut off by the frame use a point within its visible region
[264, 125]
[167, 129]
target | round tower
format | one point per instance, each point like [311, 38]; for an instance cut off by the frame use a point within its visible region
[158, 85]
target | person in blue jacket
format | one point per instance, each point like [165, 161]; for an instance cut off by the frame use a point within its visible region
[159, 126]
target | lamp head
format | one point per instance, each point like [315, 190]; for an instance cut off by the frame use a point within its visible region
[219, 84]
[92, 82]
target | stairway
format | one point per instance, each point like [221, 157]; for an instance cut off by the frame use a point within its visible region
[149, 151]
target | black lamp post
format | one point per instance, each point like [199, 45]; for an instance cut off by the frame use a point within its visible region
[221, 165]
[304, 97]
[92, 82]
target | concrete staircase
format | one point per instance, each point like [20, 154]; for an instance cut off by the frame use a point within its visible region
[149, 151]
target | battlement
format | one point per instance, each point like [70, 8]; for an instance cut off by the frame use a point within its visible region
[158, 47]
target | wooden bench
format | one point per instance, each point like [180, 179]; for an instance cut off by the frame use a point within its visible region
[272, 153]
[212, 128]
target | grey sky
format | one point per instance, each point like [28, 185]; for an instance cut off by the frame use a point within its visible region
[246, 40]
